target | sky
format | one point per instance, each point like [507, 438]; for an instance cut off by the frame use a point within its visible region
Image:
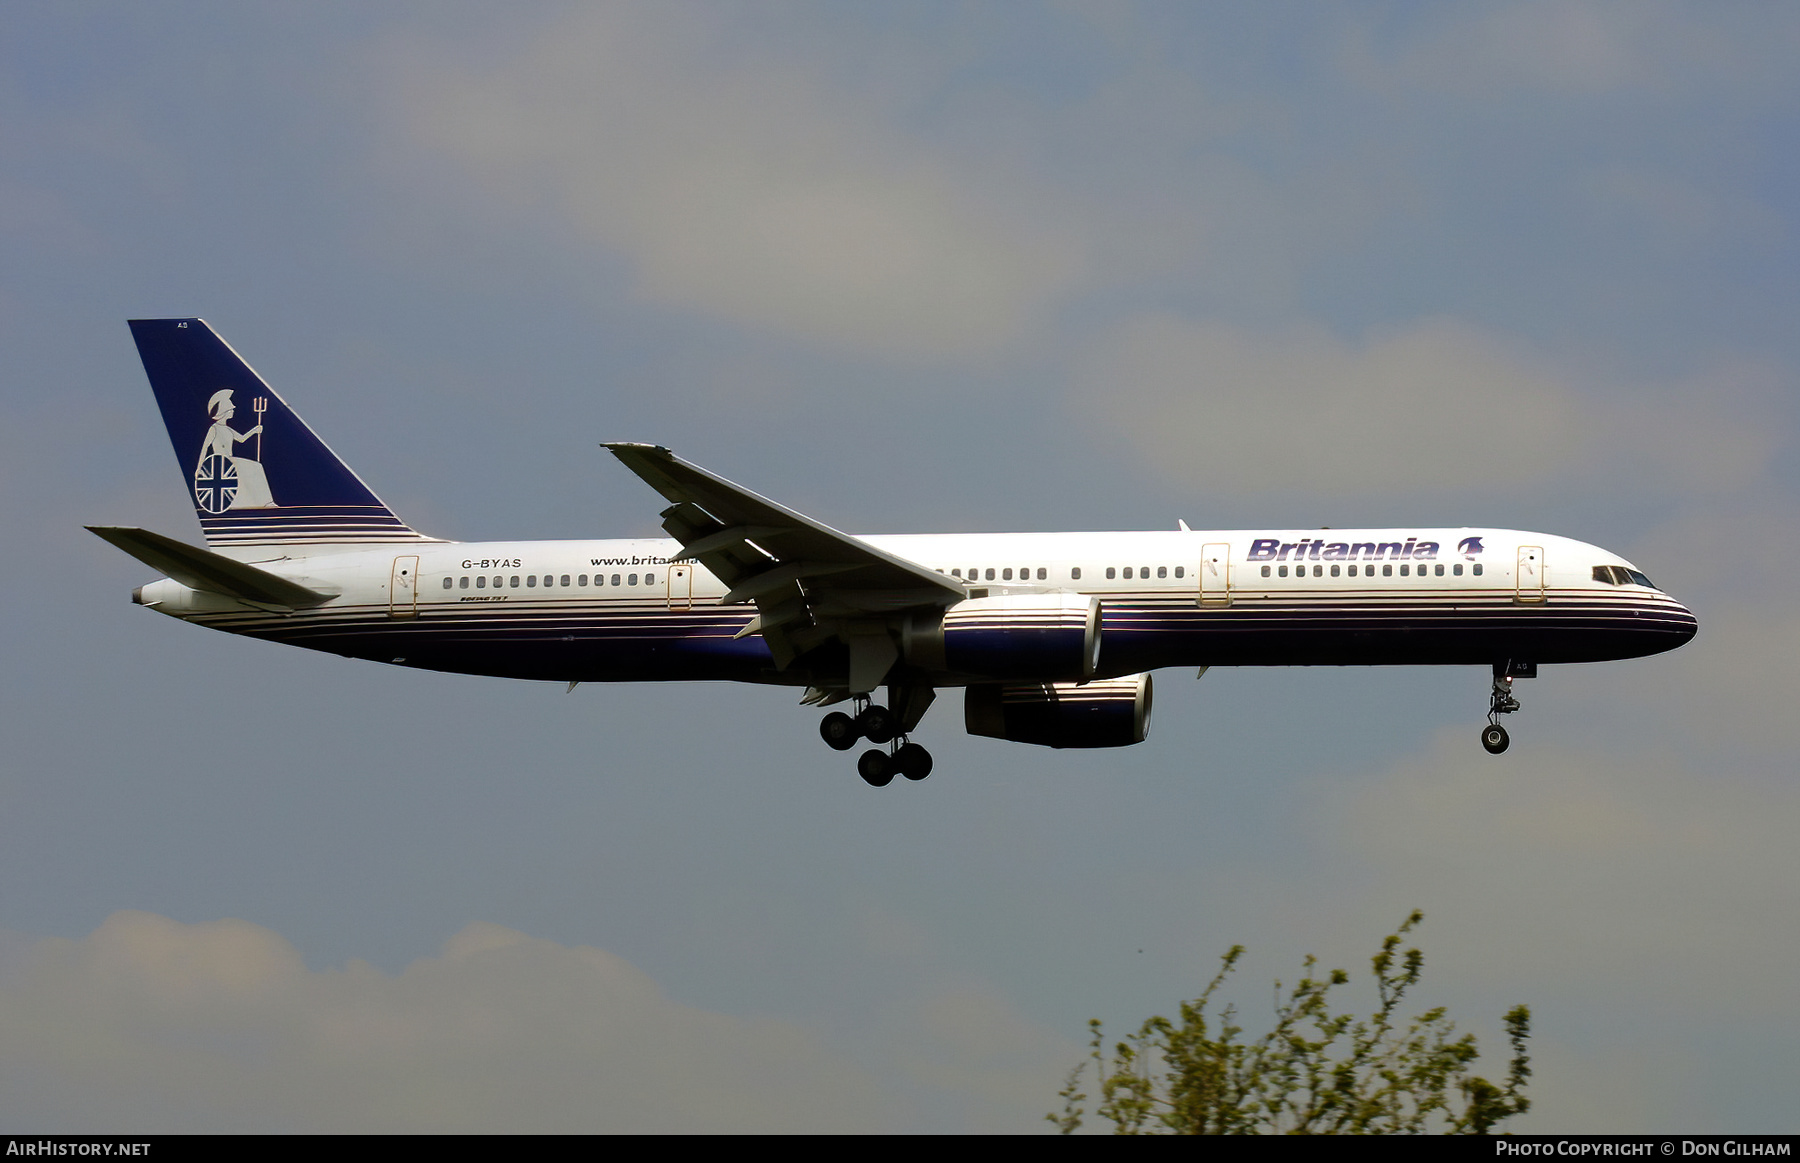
[913, 267]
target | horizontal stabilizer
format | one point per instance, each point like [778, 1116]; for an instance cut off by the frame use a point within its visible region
[201, 569]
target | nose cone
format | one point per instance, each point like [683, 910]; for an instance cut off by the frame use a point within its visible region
[1669, 624]
[1688, 625]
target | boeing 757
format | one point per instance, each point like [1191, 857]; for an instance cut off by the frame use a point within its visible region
[1052, 637]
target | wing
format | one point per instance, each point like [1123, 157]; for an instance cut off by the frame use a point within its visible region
[810, 583]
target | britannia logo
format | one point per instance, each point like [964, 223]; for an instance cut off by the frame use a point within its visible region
[1469, 547]
[222, 479]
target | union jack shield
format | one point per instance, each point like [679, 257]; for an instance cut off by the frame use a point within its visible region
[215, 484]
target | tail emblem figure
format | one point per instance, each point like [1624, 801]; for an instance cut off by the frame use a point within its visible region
[223, 480]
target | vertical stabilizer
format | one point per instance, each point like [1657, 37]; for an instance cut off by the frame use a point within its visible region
[256, 473]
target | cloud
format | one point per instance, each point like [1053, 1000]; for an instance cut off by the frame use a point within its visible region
[1583, 47]
[150, 1024]
[1571, 877]
[742, 184]
[1437, 406]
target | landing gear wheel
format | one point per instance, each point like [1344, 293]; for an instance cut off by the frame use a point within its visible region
[875, 768]
[1493, 737]
[839, 731]
[913, 761]
[877, 724]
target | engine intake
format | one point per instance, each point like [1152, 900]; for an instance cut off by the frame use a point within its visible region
[1106, 713]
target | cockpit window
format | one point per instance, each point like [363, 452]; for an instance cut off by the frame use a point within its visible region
[1618, 575]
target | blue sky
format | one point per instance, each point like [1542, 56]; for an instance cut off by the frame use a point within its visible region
[906, 268]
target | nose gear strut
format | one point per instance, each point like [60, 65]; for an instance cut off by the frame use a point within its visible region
[1502, 702]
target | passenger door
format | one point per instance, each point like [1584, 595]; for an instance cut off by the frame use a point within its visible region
[403, 588]
[681, 587]
[1215, 575]
[1528, 581]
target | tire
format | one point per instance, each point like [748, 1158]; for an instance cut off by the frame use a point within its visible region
[913, 761]
[877, 724]
[875, 768]
[839, 731]
[1494, 738]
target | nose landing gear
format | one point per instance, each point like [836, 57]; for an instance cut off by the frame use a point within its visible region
[1501, 702]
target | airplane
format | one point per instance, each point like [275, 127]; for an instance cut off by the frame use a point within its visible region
[1051, 636]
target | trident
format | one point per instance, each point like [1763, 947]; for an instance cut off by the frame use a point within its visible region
[259, 406]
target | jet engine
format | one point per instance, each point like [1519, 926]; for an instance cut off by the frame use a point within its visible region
[1041, 636]
[1105, 713]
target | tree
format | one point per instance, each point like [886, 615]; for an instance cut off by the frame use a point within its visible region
[1315, 1073]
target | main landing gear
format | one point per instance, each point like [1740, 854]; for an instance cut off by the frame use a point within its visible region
[878, 725]
[1502, 702]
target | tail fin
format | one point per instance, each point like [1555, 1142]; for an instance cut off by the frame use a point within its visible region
[256, 472]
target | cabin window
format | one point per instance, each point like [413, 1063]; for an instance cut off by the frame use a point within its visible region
[1265, 571]
[1334, 571]
[1043, 574]
[1162, 571]
[1144, 571]
[1180, 571]
[1282, 571]
[449, 581]
[990, 573]
[1476, 569]
[956, 573]
[530, 580]
[515, 581]
[615, 579]
[649, 579]
[565, 580]
[1387, 571]
[1438, 570]
[463, 583]
[1353, 571]
[1457, 569]
[583, 580]
[1128, 573]
[481, 583]
[631, 579]
[1006, 574]
[1109, 573]
[1075, 574]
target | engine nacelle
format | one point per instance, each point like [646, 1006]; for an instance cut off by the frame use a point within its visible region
[1039, 636]
[1112, 712]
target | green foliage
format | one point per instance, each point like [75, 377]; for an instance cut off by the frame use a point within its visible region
[1315, 1073]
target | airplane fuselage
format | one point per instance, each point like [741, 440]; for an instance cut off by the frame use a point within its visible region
[627, 610]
